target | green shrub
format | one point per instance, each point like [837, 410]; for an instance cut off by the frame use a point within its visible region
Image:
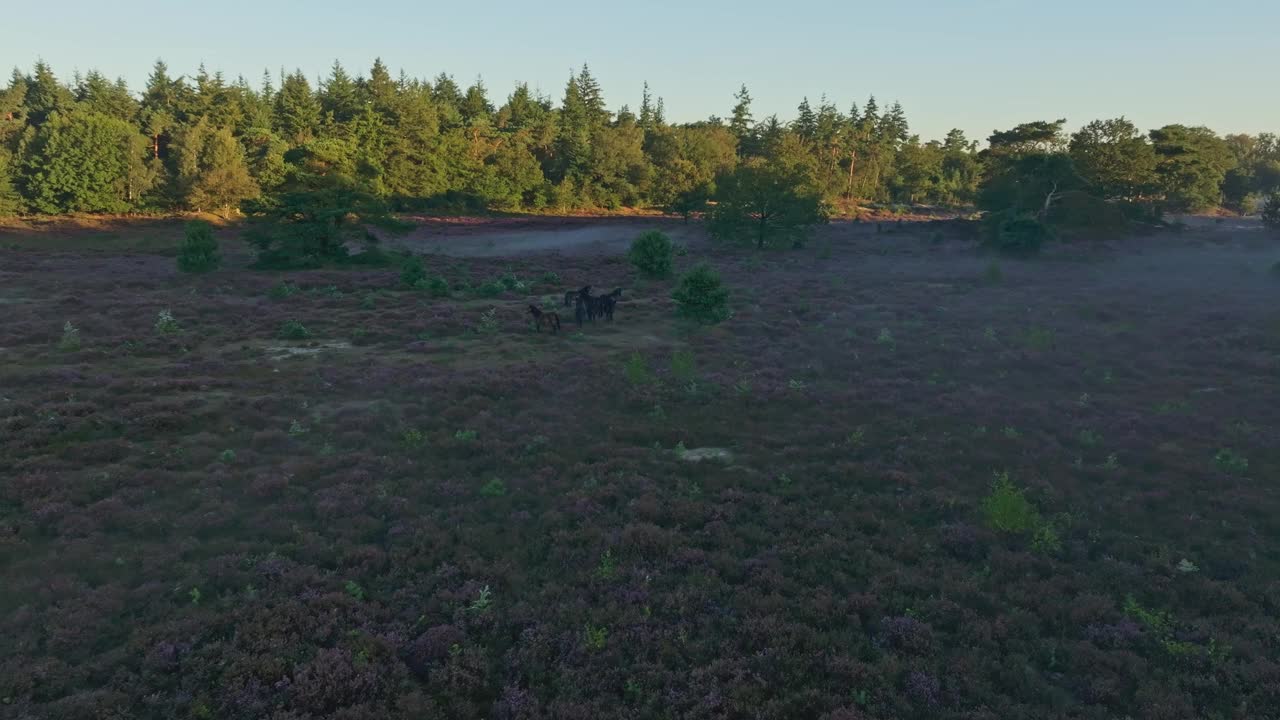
[199, 251]
[294, 330]
[412, 272]
[1014, 233]
[683, 366]
[283, 290]
[1230, 461]
[651, 254]
[636, 371]
[1007, 510]
[492, 288]
[701, 296]
[166, 323]
[70, 337]
[434, 286]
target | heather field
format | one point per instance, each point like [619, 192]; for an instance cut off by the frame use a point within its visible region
[903, 480]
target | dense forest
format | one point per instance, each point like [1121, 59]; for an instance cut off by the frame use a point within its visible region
[205, 143]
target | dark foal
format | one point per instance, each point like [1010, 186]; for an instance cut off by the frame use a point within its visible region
[540, 318]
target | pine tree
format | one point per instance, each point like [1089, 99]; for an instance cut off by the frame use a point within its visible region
[297, 109]
[475, 108]
[893, 127]
[741, 123]
[94, 92]
[380, 89]
[806, 124]
[646, 109]
[573, 141]
[592, 98]
[339, 95]
[660, 114]
[45, 95]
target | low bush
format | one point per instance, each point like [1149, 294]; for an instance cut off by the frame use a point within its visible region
[702, 296]
[651, 253]
[199, 251]
[412, 272]
[1015, 233]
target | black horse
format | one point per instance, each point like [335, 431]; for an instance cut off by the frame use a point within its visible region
[606, 303]
[571, 295]
[584, 306]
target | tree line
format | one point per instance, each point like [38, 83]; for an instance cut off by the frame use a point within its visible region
[205, 143]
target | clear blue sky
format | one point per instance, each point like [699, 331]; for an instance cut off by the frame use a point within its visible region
[976, 65]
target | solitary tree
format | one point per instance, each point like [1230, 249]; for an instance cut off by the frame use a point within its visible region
[1192, 164]
[1115, 159]
[765, 203]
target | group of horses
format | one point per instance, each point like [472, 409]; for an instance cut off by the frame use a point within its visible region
[585, 307]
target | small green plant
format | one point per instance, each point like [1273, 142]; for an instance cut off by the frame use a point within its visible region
[1230, 461]
[636, 371]
[465, 435]
[354, 590]
[701, 296]
[1007, 509]
[1112, 462]
[283, 290]
[608, 566]
[1158, 622]
[482, 602]
[1045, 540]
[491, 288]
[199, 251]
[509, 281]
[413, 438]
[886, 338]
[494, 488]
[683, 366]
[166, 324]
[195, 595]
[70, 337]
[296, 428]
[595, 638]
[651, 254]
[294, 330]
[1011, 432]
[795, 384]
[551, 278]
[989, 333]
[412, 272]
[1089, 438]
[227, 456]
[488, 321]
[435, 286]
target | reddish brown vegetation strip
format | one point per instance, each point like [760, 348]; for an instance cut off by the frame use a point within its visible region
[433, 517]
